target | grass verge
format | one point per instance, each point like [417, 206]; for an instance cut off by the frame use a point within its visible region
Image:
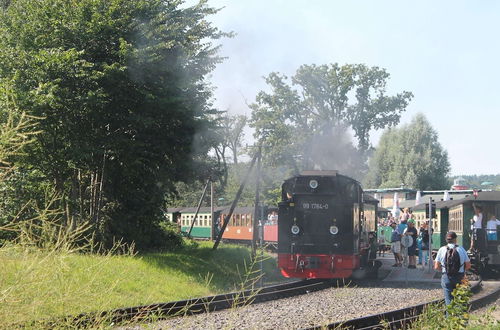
[39, 285]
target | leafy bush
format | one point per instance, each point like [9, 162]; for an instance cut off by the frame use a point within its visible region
[455, 315]
[172, 237]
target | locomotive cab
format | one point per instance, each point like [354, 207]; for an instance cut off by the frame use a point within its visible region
[321, 226]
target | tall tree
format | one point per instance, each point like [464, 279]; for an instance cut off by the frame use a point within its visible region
[412, 155]
[320, 100]
[234, 130]
[120, 90]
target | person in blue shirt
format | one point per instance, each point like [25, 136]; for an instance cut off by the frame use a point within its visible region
[396, 245]
[450, 282]
[402, 226]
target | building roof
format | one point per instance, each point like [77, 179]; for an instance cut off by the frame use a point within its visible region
[439, 205]
[409, 203]
[439, 196]
[389, 190]
[203, 209]
[370, 199]
[240, 209]
[174, 209]
[485, 196]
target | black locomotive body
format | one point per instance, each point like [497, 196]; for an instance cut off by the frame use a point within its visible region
[323, 231]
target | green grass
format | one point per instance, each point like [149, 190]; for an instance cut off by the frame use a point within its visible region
[36, 285]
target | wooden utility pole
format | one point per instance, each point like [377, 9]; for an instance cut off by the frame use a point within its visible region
[235, 202]
[212, 220]
[256, 212]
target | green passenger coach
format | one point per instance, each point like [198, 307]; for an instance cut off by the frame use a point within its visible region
[462, 213]
[439, 223]
[184, 217]
[456, 215]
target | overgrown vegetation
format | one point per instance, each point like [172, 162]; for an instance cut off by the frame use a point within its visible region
[456, 315]
[53, 268]
[122, 105]
[40, 284]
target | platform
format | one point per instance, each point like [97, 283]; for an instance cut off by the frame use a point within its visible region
[403, 274]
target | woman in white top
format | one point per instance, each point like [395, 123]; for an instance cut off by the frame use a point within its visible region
[477, 221]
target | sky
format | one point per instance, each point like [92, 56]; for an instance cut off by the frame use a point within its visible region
[445, 52]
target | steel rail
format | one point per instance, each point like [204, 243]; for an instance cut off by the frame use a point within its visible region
[401, 318]
[191, 306]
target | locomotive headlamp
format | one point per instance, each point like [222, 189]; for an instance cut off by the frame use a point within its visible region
[295, 230]
[334, 230]
[313, 184]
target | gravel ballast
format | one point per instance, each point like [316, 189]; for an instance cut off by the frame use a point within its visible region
[317, 308]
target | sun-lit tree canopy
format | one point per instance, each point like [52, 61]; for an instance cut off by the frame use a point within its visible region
[410, 155]
[316, 102]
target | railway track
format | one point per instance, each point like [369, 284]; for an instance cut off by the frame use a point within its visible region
[395, 319]
[401, 318]
[194, 306]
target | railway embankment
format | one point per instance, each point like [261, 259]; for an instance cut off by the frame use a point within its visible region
[395, 289]
[46, 285]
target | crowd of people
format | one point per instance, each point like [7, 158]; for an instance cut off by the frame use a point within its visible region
[405, 238]
[451, 259]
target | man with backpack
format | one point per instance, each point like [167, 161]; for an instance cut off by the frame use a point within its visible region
[452, 261]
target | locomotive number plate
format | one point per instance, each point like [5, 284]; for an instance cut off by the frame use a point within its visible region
[315, 206]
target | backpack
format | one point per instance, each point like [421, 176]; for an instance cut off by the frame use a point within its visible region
[452, 261]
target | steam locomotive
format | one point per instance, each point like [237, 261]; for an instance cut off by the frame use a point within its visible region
[326, 229]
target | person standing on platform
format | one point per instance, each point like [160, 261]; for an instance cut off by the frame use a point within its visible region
[405, 216]
[402, 226]
[412, 249]
[424, 234]
[396, 245]
[452, 261]
[381, 244]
